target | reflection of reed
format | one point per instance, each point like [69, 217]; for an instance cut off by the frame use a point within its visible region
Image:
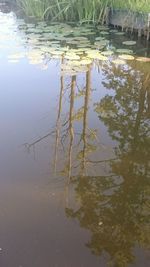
[58, 121]
[84, 133]
[71, 130]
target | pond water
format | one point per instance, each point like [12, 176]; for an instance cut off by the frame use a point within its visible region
[75, 146]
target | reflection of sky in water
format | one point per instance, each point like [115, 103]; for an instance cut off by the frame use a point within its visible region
[10, 40]
[26, 84]
[29, 100]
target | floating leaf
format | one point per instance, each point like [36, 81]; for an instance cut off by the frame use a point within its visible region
[99, 38]
[101, 57]
[57, 52]
[65, 67]
[104, 33]
[73, 63]
[81, 38]
[72, 56]
[93, 55]
[118, 62]
[143, 59]
[124, 51]
[30, 25]
[119, 33]
[80, 69]
[127, 57]
[103, 28]
[129, 42]
[85, 61]
[56, 56]
[113, 31]
[69, 73]
[107, 53]
[102, 42]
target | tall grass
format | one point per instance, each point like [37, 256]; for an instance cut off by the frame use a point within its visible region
[79, 10]
[133, 5]
[66, 10]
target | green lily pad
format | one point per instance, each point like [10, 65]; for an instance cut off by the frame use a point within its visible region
[99, 38]
[103, 28]
[107, 53]
[124, 51]
[72, 56]
[104, 33]
[113, 31]
[129, 43]
[102, 42]
[119, 33]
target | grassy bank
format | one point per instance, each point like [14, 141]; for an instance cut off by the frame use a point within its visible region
[142, 6]
[79, 10]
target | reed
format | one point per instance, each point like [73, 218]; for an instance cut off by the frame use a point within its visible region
[141, 6]
[94, 11]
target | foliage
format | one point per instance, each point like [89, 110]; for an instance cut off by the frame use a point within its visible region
[79, 10]
[133, 5]
[114, 206]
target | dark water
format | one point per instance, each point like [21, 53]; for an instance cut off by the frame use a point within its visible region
[75, 158]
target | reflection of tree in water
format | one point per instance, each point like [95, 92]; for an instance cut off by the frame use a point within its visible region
[114, 208]
[78, 141]
[126, 114]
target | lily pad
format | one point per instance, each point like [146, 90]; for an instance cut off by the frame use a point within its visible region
[143, 59]
[92, 54]
[103, 28]
[107, 53]
[85, 61]
[99, 38]
[124, 51]
[113, 31]
[119, 33]
[102, 42]
[101, 57]
[118, 62]
[126, 57]
[104, 33]
[57, 52]
[129, 43]
[72, 56]
[69, 73]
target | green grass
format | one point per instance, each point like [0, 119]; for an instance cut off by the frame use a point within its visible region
[133, 5]
[79, 10]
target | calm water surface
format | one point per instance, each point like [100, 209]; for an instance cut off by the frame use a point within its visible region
[75, 154]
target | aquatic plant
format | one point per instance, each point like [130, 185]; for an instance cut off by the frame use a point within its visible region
[67, 10]
[79, 10]
[133, 5]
